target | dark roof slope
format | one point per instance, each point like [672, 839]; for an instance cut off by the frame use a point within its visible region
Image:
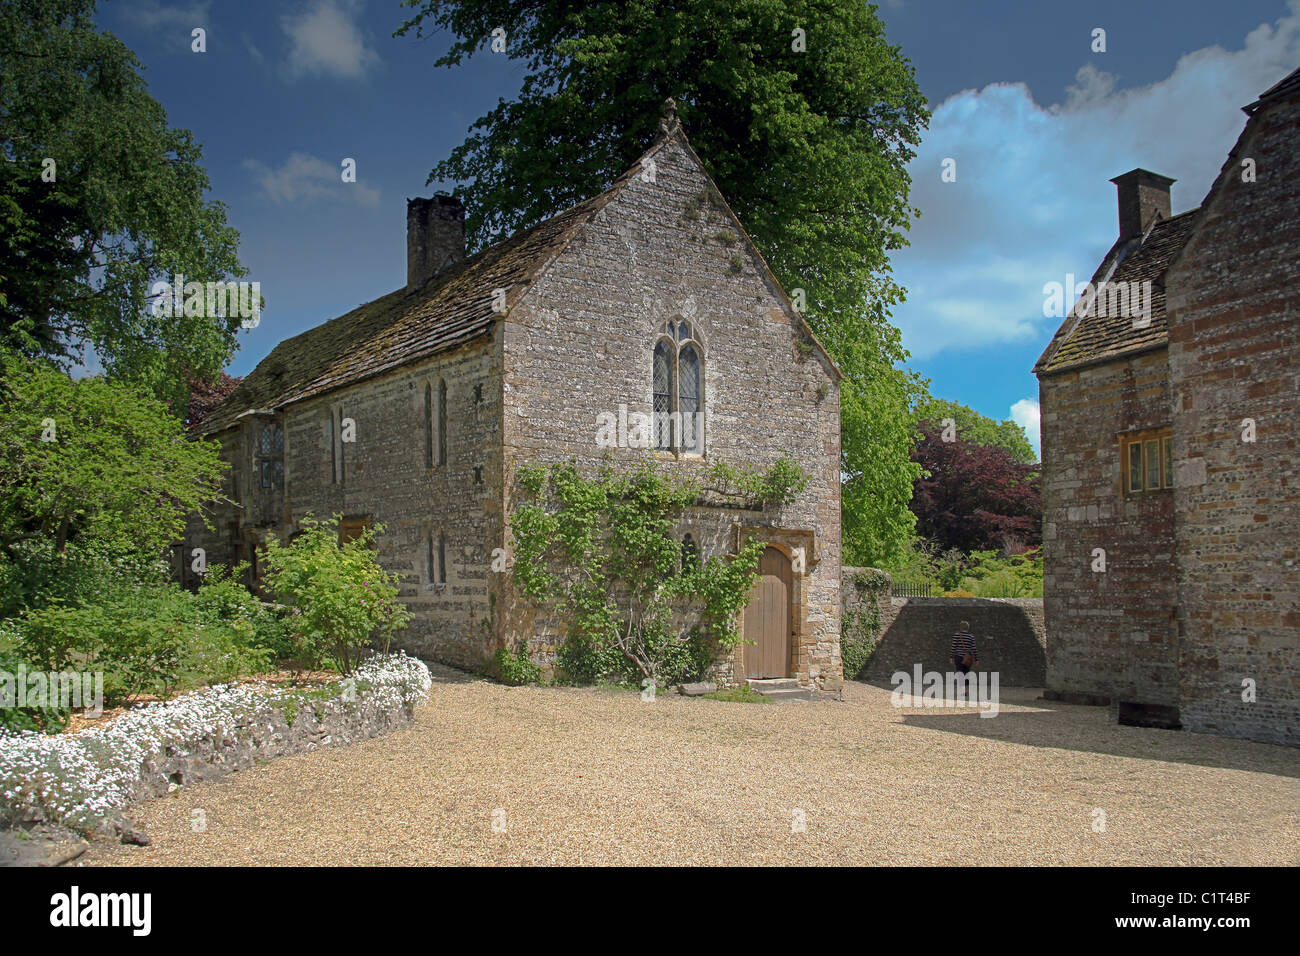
[407, 325]
[1283, 88]
[1091, 338]
[448, 311]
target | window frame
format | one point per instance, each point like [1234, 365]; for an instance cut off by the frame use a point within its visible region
[442, 423]
[1152, 471]
[268, 457]
[676, 337]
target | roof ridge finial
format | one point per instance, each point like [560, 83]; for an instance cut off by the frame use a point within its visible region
[669, 121]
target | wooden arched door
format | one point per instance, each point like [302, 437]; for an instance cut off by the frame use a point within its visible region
[768, 619]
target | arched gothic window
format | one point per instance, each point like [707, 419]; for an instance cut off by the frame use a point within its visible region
[678, 390]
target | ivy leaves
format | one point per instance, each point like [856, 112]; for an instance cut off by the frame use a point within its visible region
[602, 553]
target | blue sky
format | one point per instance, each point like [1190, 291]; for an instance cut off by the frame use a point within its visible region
[1036, 121]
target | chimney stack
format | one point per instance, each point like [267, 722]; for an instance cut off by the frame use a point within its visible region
[1143, 198]
[435, 237]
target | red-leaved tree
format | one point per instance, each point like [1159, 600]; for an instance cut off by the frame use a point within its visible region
[206, 396]
[976, 497]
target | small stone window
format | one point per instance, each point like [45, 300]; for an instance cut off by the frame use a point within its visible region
[270, 458]
[435, 558]
[1146, 461]
[442, 422]
[428, 426]
[678, 390]
[334, 452]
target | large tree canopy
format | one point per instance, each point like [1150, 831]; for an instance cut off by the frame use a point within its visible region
[969, 425]
[94, 462]
[976, 497]
[100, 198]
[804, 115]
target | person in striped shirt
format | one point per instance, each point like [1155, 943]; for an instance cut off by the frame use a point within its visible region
[965, 656]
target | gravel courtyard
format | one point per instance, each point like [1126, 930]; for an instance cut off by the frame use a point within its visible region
[498, 775]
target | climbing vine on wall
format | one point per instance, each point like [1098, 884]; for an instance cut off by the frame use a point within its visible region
[860, 629]
[600, 553]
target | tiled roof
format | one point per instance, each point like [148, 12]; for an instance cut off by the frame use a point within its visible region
[1085, 339]
[1287, 86]
[407, 325]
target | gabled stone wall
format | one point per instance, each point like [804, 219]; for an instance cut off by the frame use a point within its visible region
[1234, 356]
[1111, 634]
[580, 344]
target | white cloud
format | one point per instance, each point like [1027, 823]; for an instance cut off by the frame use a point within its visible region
[1025, 413]
[305, 178]
[326, 40]
[1032, 199]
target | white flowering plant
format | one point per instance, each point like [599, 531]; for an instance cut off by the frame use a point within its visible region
[77, 779]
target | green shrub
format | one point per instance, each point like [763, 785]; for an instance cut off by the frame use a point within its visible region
[223, 598]
[514, 668]
[49, 719]
[340, 597]
[146, 640]
[34, 574]
[601, 554]
[1016, 576]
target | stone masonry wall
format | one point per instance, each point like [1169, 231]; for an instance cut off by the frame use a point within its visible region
[580, 343]
[1234, 354]
[1009, 633]
[383, 477]
[1112, 633]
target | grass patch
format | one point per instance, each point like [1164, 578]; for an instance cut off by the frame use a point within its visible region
[741, 694]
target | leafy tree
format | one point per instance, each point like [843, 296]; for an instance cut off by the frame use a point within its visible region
[975, 497]
[806, 118]
[95, 462]
[975, 428]
[121, 207]
[206, 396]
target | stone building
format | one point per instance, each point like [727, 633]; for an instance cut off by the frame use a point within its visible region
[416, 410]
[1169, 435]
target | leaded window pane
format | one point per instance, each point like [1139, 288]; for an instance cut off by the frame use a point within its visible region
[264, 441]
[279, 440]
[663, 402]
[688, 385]
[1152, 464]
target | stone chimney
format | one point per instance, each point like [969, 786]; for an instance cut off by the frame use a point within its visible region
[435, 237]
[1143, 198]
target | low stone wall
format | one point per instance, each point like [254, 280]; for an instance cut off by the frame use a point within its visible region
[1009, 632]
[84, 781]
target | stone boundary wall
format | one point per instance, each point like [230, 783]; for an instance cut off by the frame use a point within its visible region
[202, 736]
[1009, 633]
